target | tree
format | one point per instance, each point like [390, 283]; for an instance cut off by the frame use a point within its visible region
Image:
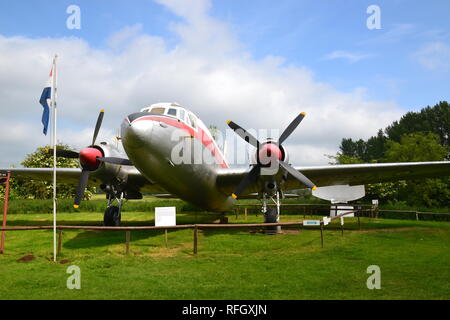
[421, 147]
[416, 147]
[42, 158]
[430, 119]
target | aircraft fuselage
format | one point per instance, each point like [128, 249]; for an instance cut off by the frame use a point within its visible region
[178, 153]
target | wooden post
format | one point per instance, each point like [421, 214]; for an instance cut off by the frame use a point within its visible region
[237, 212]
[342, 229]
[5, 211]
[59, 242]
[321, 233]
[165, 237]
[127, 242]
[359, 222]
[245, 213]
[417, 216]
[195, 239]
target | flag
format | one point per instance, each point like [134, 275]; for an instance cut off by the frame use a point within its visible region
[45, 96]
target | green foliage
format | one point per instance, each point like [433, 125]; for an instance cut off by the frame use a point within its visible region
[31, 206]
[430, 119]
[365, 151]
[416, 147]
[418, 136]
[340, 158]
[387, 191]
[43, 158]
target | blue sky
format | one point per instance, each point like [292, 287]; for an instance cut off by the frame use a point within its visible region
[302, 32]
[258, 62]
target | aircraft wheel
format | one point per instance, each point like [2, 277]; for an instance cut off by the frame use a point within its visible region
[111, 218]
[270, 216]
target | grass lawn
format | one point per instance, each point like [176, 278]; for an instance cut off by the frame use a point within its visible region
[413, 257]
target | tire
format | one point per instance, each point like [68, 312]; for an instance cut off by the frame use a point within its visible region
[112, 216]
[270, 216]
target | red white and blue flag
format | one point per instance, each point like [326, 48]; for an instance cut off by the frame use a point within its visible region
[44, 100]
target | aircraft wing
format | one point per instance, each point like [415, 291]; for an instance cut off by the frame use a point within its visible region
[136, 180]
[352, 174]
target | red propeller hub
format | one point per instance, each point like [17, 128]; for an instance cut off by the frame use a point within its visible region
[88, 158]
[269, 152]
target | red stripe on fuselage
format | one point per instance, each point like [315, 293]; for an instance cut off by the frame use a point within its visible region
[199, 134]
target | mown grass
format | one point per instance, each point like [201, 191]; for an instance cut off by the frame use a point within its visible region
[413, 257]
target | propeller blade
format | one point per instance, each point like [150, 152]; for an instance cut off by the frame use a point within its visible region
[250, 178]
[81, 186]
[294, 124]
[64, 153]
[241, 132]
[114, 160]
[98, 125]
[297, 175]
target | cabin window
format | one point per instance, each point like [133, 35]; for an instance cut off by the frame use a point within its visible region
[158, 110]
[182, 114]
[193, 122]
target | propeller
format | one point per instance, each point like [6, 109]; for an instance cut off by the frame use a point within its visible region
[89, 162]
[64, 153]
[90, 159]
[266, 153]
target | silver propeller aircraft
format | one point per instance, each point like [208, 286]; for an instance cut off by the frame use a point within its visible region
[149, 167]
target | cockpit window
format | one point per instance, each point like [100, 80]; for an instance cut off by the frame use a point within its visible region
[172, 112]
[158, 110]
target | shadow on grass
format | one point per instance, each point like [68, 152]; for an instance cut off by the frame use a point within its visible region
[95, 239]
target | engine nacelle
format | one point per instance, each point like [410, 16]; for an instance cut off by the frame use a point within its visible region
[270, 151]
[106, 172]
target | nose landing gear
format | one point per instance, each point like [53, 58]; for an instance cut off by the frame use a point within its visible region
[271, 215]
[112, 215]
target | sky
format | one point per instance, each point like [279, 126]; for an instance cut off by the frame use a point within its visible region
[256, 62]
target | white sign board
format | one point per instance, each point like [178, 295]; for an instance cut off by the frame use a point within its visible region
[310, 223]
[326, 220]
[375, 202]
[165, 216]
[340, 210]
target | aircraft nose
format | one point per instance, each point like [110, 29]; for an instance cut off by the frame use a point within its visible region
[136, 130]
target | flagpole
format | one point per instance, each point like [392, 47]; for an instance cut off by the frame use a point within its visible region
[53, 93]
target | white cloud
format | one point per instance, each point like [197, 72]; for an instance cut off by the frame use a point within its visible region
[393, 34]
[207, 71]
[349, 56]
[434, 56]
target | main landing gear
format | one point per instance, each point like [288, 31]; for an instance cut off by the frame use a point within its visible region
[271, 214]
[112, 215]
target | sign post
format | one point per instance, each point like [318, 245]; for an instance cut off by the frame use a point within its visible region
[5, 211]
[165, 217]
